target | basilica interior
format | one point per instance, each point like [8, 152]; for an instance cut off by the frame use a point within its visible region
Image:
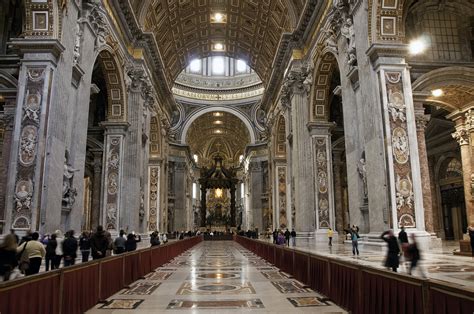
[229, 116]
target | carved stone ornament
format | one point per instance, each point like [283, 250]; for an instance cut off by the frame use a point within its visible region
[396, 106]
[98, 20]
[77, 45]
[31, 109]
[69, 192]
[23, 195]
[341, 21]
[29, 136]
[361, 168]
[400, 147]
[461, 136]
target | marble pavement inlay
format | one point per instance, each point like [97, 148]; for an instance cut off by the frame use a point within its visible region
[216, 304]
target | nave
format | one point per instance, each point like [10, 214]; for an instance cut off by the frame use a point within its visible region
[217, 277]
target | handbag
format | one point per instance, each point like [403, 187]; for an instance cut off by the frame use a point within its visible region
[23, 262]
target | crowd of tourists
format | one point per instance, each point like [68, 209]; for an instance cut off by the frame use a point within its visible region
[24, 257]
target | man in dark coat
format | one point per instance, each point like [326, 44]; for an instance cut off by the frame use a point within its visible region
[287, 237]
[99, 243]
[69, 249]
[392, 260]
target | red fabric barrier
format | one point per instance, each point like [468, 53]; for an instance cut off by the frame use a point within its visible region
[37, 295]
[132, 267]
[343, 289]
[318, 277]
[388, 295]
[79, 294]
[301, 263]
[444, 302]
[111, 276]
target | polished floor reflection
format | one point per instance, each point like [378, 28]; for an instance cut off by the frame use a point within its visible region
[217, 277]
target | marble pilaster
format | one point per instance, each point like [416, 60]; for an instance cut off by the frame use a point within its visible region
[97, 188]
[338, 193]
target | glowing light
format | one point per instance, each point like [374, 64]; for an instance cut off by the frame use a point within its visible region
[195, 65]
[218, 122]
[196, 158]
[241, 66]
[218, 47]
[217, 65]
[217, 114]
[218, 131]
[218, 17]
[437, 92]
[417, 46]
[218, 193]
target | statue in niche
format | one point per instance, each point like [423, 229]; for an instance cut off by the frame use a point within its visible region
[77, 45]
[363, 175]
[347, 30]
[32, 107]
[28, 145]
[69, 193]
[23, 195]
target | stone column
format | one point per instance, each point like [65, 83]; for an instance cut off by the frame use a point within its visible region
[295, 93]
[28, 177]
[255, 178]
[8, 124]
[323, 176]
[113, 210]
[401, 144]
[97, 188]
[421, 121]
[338, 203]
[281, 219]
[153, 197]
[180, 196]
[464, 135]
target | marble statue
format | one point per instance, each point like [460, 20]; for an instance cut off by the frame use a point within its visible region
[69, 193]
[347, 30]
[363, 175]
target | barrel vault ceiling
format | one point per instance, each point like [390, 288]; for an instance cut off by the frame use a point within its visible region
[251, 30]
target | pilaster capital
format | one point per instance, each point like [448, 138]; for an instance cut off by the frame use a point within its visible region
[461, 135]
[421, 120]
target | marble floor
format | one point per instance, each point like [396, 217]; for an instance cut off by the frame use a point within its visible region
[217, 277]
[437, 263]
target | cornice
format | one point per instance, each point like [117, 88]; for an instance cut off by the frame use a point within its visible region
[32, 45]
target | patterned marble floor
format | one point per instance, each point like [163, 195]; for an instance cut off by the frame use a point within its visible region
[217, 277]
[438, 263]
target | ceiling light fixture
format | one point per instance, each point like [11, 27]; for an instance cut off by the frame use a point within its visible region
[218, 47]
[417, 46]
[217, 114]
[437, 92]
[218, 17]
[218, 122]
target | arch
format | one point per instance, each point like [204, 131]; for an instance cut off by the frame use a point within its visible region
[199, 113]
[456, 82]
[8, 83]
[116, 96]
[324, 70]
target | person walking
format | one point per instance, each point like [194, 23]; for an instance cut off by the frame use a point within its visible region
[392, 260]
[470, 232]
[99, 243]
[8, 260]
[330, 234]
[275, 236]
[85, 246]
[415, 256]
[50, 258]
[354, 233]
[70, 249]
[287, 237]
[34, 251]
[119, 243]
[403, 239]
[293, 237]
[131, 243]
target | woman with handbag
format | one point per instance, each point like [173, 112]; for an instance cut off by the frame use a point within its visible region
[8, 260]
[31, 252]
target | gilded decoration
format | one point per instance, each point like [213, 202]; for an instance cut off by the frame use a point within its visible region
[113, 181]
[153, 201]
[322, 182]
[282, 218]
[396, 107]
[27, 150]
[39, 18]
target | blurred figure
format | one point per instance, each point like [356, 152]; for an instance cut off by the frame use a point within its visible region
[59, 248]
[50, 258]
[287, 237]
[403, 239]
[415, 256]
[17, 239]
[131, 244]
[99, 243]
[275, 236]
[119, 243]
[8, 261]
[393, 253]
[281, 239]
[110, 244]
[85, 246]
[470, 232]
[293, 237]
[32, 252]
[70, 249]
[155, 238]
[354, 233]
[330, 234]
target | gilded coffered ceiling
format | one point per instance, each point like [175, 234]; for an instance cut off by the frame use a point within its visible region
[249, 30]
[218, 133]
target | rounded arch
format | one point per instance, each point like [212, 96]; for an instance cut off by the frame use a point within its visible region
[323, 73]
[457, 84]
[199, 113]
[116, 95]
[442, 162]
